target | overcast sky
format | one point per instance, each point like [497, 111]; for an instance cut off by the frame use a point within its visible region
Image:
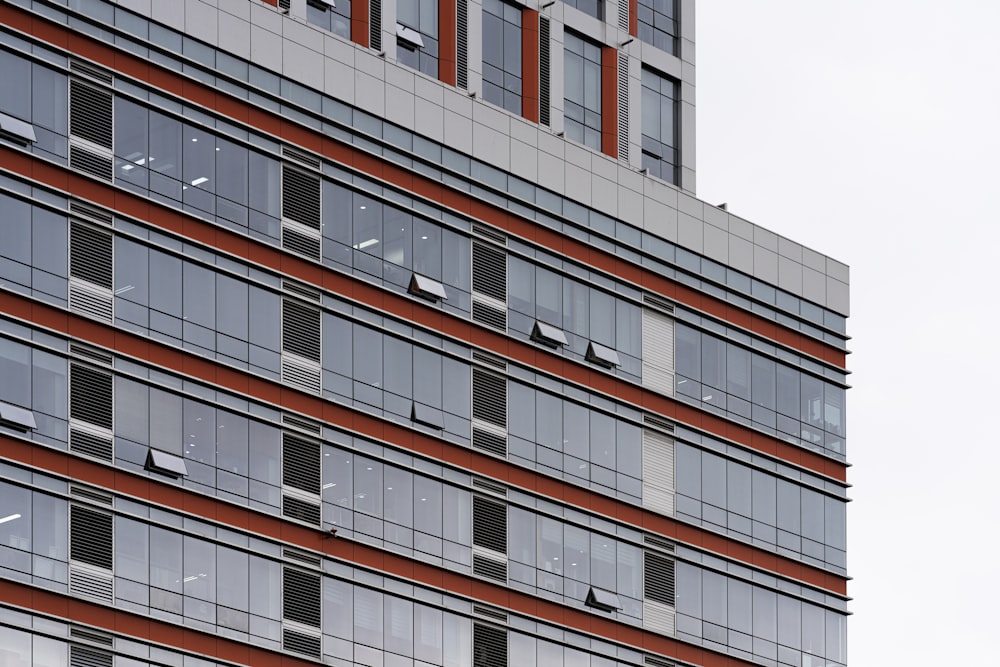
[870, 131]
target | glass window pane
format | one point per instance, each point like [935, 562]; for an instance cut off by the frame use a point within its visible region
[131, 549]
[427, 630]
[234, 578]
[265, 594]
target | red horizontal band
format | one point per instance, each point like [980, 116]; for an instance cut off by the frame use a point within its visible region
[266, 121]
[354, 552]
[260, 254]
[332, 413]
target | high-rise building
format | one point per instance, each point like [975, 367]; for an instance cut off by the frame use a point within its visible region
[391, 333]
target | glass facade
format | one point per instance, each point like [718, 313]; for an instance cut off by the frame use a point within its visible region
[583, 91]
[284, 378]
[333, 18]
[594, 8]
[418, 41]
[179, 569]
[659, 125]
[657, 254]
[502, 54]
[658, 24]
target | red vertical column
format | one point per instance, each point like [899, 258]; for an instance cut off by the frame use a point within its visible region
[609, 101]
[360, 22]
[529, 64]
[448, 41]
[273, 3]
[633, 17]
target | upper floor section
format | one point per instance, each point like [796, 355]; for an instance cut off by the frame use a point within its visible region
[783, 280]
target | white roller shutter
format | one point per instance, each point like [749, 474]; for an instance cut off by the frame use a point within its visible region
[658, 351]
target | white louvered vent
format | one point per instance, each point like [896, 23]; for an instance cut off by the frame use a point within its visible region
[657, 351]
[658, 302]
[490, 360]
[302, 424]
[623, 102]
[659, 422]
[491, 233]
[623, 15]
[91, 635]
[489, 538]
[91, 412]
[91, 271]
[89, 353]
[300, 346]
[375, 24]
[658, 472]
[302, 157]
[489, 486]
[301, 211]
[658, 593]
[91, 553]
[302, 603]
[304, 557]
[489, 411]
[654, 661]
[489, 646]
[93, 213]
[91, 71]
[85, 656]
[489, 285]
[301, 465]
[301, 290]
[544, 75]
[657, 542]
[490, 612]
[92, 495]
[462, 52]
[91, 134]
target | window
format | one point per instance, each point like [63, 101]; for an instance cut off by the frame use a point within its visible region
[583, 91]
[417, 35]
[502, 54]
[593, 7]
[333, 17]
[16, 130]
[658, 24]
[659, 125]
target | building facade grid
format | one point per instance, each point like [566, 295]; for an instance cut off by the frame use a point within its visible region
[309, 356]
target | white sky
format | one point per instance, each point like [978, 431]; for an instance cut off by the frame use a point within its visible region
[870, 131]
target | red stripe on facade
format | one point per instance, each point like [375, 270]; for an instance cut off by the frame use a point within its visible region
[448, 41]
[415, 183]
[149, 629]
[364, 555]
[373, 427]
[142, 627]
[270, 257]
[633, 17]
[609, 101]
[360, 22]
[529, 64]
